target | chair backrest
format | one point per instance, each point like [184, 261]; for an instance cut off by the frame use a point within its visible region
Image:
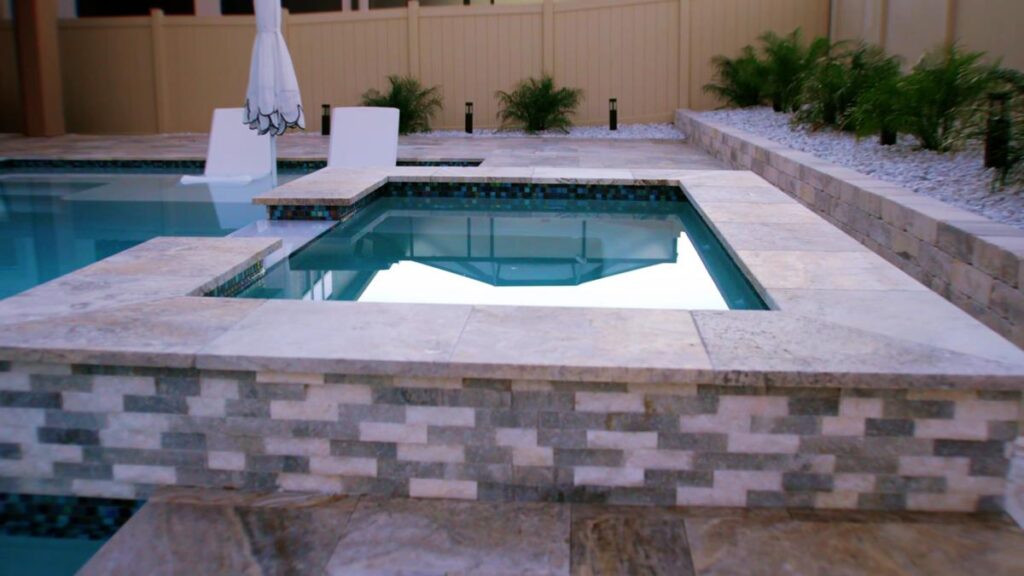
[235, 149]
[363, 137]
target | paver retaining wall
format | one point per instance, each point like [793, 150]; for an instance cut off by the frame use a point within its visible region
[971, 261]
[122, 431]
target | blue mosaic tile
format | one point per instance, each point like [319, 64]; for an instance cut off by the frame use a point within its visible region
[238, 282]
[485, 190]
[63, 516]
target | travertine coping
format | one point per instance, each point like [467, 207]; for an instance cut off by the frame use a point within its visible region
[842, 316]
[968, 259]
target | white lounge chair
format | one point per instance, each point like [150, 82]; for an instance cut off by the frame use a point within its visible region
[363, 137]
[236, 155]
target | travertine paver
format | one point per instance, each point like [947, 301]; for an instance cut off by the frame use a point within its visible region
[573, 339]
[974, 263]
[495, 152]
[159, 268]
[190, 532]
[160, 332]
[949, 545]
[303, 336]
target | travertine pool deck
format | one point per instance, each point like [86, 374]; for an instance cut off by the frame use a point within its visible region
[566, 152]
[210, 532]
[859, 389]
[841, 315]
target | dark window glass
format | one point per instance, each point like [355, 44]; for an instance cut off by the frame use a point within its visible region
[293, 6]
[88, 8]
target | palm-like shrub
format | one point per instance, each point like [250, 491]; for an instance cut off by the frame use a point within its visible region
[536, 105]
[416, 105]
[881, 109]
[840, 79]
[787, 64]
[823, 91]
[738, 81]
[944, 95]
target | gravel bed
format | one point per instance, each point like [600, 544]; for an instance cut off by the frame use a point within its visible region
[959, 179]
[625, 132]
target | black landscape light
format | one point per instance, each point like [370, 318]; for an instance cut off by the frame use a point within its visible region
[613, 114]
[469, 117]
[997, 133]
[325, 120]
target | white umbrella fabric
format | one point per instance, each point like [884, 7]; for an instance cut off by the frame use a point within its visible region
[272, 102]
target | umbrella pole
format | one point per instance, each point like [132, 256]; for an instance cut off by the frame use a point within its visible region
[273, 158]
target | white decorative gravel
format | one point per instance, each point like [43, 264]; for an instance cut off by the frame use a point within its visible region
[625, 132]
[959, 179]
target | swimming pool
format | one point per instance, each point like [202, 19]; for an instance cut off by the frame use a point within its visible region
[55, 221]
[516, 251]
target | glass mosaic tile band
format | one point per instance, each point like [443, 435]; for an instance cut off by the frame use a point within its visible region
[488, 190]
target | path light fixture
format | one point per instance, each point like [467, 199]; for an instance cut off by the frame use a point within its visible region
[613, 114]
[997, 133]
[325, 120]
[469, 117]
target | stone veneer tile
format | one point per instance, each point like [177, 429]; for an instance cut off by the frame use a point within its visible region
[453, 489]
[607, 476]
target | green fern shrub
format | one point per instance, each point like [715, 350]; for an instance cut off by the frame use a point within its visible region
[740, 81]
[536, 105]
[788, 62]
[416, 105]
[881, 109]
[840, 79]
[944, 97]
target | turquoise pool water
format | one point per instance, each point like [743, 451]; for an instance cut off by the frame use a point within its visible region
[56, 535]
[593, 253]
[52, 223]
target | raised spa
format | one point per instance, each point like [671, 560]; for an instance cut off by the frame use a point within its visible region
[516, 251]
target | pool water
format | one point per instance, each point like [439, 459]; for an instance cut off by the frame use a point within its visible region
[56, 535]
[53, 223]
[592, 253]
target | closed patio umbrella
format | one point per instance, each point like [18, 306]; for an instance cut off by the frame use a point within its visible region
[272, 102]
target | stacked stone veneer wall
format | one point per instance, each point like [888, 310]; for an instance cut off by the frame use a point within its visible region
[121, 432]
[971, 261]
